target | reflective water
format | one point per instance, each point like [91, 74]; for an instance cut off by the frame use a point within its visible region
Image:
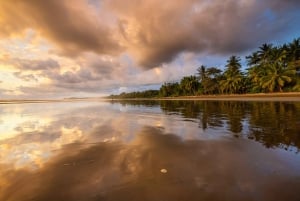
[168, 150]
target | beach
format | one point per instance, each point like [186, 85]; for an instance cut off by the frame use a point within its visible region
[291, 96]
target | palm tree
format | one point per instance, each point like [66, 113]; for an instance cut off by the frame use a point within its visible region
[277, 72]
[276, 78]
[253, 59]
[231, 84]
[209, 79]
[201, 72]
[233, 65]
[169, 89]
[189, 85]
[213, 72]
[254, 74]
[264, 52]
[211, 83]
[233, 76]
[293, 53]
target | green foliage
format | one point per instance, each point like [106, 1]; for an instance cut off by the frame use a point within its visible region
[274, 69]
[143, 94]
[209, 79]
[189, 85]
[169, 89]
[270, 69]
[233, 77]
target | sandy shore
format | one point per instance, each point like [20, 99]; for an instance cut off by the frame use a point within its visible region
[292, 96]
[244, 97]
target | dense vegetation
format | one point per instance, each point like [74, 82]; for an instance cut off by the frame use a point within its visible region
[139, 94]
[270, 69]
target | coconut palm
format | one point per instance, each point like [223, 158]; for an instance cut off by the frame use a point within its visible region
[254, 74]
[233, 65]
[253, 59]
[211, 83]
[264, 53]
[293, 53]
[189, 85]
[209, 79]
[277, 73]
[231, 84]
[201, 73]
[233, 76]
[276, 78]
[169, 89]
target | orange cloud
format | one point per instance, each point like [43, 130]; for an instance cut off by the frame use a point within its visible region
[73, 27]
[153, 32]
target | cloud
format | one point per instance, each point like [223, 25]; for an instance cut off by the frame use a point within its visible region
[157, 31]
[101, 45]
[119, 171]
[152, 32]
[73, 27]
[35, 65]
[91, 73]
[94, 74]
[25, 77]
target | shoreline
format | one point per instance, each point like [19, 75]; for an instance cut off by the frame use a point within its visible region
[285, 96]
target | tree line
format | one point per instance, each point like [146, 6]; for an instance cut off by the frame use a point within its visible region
[269, 69]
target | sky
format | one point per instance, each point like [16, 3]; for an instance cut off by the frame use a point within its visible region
[92, 48]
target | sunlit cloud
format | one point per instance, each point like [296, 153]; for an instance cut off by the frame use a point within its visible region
[94, 47]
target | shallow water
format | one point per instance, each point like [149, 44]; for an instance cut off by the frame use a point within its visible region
[134, 150]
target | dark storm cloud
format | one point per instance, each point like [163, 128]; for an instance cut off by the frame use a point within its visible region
[157, 31]
[154, 31]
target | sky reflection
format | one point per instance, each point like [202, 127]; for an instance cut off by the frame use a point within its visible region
[209, 170]
[104, 151]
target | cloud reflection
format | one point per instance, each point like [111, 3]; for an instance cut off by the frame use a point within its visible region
[196, 170]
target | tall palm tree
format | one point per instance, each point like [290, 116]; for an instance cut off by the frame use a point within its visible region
[201, 72]
[233, 76]
[264, 52]
[253, 59]
[233, 65]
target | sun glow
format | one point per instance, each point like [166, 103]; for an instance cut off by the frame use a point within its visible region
[157, 71]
